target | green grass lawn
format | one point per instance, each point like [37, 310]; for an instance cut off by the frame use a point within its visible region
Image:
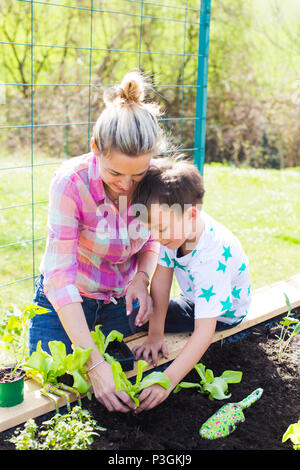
[260, 206]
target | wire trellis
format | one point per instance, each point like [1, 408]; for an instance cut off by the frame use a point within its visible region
[40, 104]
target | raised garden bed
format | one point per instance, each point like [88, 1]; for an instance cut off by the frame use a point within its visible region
[174, 425]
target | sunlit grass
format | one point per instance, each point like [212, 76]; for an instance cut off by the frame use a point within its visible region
[260, 206]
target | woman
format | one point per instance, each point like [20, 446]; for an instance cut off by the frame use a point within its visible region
[97, 262]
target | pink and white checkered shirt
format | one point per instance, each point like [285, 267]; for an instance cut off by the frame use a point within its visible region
[92, 249]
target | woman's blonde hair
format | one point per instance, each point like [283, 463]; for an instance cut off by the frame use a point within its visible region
[127, 123]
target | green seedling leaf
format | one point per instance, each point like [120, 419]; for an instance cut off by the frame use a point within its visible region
[186, 385]
[215, 387]
[99, 339]
[290, 326]
[75, 366]
[200, 368]
[232, 376]
[8, 338]
[209, 376]
[287, 300]
[50, 367]
[287, 321]
[13, 322]
[59, 358]
[133, 390]
[155, 378]
[141, 367]
[13, 333]
[102, 342]
[293, 433]
[40, 363]
[296, 329]
[114, 335]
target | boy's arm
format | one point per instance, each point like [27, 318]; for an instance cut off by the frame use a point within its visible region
[160, 294]
[193, 350]
[179, 368]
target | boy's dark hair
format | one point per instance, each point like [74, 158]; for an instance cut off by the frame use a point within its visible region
[170, 181]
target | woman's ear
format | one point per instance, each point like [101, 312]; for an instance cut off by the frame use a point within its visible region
[94, 147]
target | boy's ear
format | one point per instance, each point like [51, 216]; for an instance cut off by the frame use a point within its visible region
[192, 212]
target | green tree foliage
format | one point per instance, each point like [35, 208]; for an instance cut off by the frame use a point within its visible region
[76, 53]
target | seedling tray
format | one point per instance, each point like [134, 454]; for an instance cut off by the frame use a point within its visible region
[121, 353]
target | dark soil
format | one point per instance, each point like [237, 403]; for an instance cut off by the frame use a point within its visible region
[174, 425]
[5, 375]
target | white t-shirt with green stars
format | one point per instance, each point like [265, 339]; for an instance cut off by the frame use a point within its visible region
[214, 276]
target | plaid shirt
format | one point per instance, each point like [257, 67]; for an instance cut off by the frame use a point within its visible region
[92, 250]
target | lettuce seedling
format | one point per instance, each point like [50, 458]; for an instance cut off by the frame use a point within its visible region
[13, 334]
[290, 328]
[293, 433]
[216, 387]
[133, 390]
[47, 368]
[102, 341]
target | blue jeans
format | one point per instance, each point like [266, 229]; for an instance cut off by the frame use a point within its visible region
[47, 327]
[180, 317]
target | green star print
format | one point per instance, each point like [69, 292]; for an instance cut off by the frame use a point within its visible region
[236, 292]
[207, 293]
[166, 259]
[221, 267]
[226, 253]
[242, 268]
[226, 304]
[229, 314]
[178, 265]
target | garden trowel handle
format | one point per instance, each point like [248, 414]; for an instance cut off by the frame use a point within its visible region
[252, 398]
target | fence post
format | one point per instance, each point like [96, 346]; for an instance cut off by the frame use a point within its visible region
[202, 76]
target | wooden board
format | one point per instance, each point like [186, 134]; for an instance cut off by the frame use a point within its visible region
[35, 404]
[268, 302]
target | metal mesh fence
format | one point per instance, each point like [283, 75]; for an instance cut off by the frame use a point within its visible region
[56, 59]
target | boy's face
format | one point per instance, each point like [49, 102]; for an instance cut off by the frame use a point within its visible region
[171, 227]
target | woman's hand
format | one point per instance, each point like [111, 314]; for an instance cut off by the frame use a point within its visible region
[138, 290]
[105, 390]
[150, 349]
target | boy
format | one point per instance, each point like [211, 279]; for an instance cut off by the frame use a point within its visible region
[207, 260]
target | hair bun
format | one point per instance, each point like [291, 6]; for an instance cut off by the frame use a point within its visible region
[131, 90]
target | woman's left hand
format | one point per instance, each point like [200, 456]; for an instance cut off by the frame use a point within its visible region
[138, 290]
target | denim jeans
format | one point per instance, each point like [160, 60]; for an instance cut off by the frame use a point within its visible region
[180, 317]
[47, 327]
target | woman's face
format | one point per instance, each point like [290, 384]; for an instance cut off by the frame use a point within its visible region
[121, 173]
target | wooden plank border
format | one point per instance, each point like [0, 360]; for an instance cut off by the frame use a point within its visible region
[268, 302]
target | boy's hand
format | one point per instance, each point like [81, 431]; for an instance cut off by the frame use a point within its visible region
[150, 349]
[151, 397]
[138, 290]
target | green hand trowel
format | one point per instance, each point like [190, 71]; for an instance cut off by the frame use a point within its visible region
[224, 421]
